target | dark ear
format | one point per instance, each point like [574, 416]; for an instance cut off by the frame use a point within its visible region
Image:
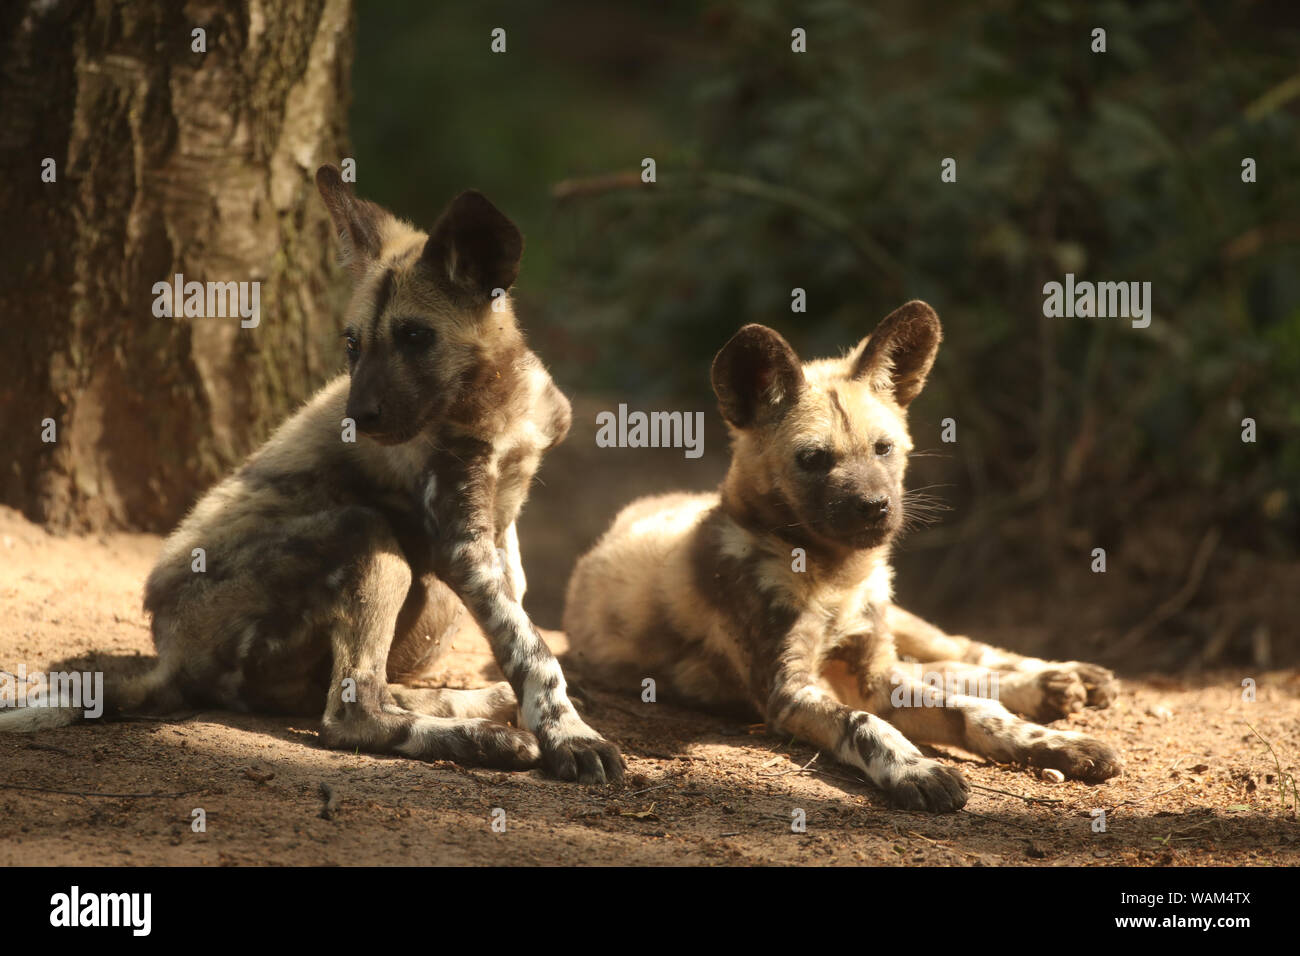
[756, 376]
[356, 221]
[474, 247]
[897, 356]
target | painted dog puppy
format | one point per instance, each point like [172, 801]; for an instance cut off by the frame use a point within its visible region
[773, 596]
[337, 562]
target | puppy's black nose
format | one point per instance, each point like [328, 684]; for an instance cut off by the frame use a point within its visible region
[874, 508]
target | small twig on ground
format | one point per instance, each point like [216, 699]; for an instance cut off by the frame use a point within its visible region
[648, 790]
[1149, 796]
[836, 776]
[1018, 796]
[983, 816]
[942, 846]
[647, 814]
[809, 768]
[782, 773]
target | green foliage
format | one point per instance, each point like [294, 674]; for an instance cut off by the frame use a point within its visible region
[822, 171]
[579, 90]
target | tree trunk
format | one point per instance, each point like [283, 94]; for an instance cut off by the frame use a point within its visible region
[167, 161]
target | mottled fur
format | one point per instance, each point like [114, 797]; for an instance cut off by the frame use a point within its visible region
[336, 570]
[708, 593]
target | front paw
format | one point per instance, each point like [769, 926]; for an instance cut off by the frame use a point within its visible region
[582, 755]
[928, 785]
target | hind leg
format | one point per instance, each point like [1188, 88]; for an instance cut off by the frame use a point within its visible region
[1042, 695]
[987, 728]
[1045, 689]
[933, 714]
[796, 699]
[361, 710]
[294, 610]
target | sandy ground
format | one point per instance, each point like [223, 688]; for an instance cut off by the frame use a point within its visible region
[1199, 788]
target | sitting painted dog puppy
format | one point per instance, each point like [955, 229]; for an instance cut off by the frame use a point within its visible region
[774, 596]
[339, 559]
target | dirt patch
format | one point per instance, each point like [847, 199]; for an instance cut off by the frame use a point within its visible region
[1199, 788]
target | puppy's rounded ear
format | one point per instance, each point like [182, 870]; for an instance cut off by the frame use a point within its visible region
[474, 247]
[357, 222]
[756, 377]
[896, 357]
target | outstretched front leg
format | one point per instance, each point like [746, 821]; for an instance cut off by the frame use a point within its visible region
[459, 502]
[787, 688]
[1043, 690]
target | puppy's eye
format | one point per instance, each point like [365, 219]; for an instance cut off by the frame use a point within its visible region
[415, 336]
[351, 343]
[815, 459]
[883, 448]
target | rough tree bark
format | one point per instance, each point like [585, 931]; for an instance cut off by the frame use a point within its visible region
[167, 161]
